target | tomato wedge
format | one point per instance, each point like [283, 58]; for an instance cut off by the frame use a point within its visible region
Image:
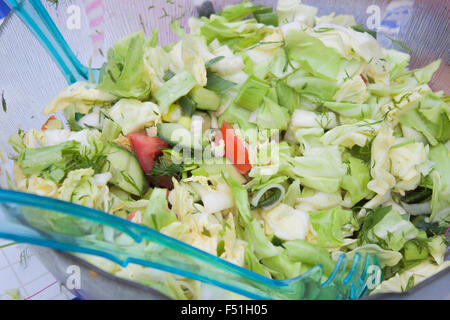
[235, 151]
[147, 149]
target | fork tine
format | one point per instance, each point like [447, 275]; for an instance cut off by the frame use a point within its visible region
[353, 279]
[371, 261]
[354, 266]
[338, 272]
[333, 285]
[368, 262]
[312, 284]
[364, 276]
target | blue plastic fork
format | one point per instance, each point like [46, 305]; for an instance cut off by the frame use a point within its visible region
[32, 219]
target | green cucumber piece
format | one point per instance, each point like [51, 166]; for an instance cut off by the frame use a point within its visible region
[111, 130]
[187, 105]
[174, 134]
[125, 169]
[205, 99]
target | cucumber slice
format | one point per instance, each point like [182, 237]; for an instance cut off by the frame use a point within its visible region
[111, 130]
[205, 99]
[125, 169]
[176, 134]
[188, 105]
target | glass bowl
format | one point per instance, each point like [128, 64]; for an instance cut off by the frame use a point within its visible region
[29, 78]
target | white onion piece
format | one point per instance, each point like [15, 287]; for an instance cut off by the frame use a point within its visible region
[214, 123]
[261, 192]
[102, 179]
[196, 125]
[216, 201]
[285, 28]
[94, 120]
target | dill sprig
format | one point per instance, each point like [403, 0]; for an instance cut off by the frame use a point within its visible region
[141, 22]
[166, 168]
[400, 44]
[374, 216]
[8, 245]
[127, 177]
[3, 101]
[362, 153]
[78, 161]
[362, 29]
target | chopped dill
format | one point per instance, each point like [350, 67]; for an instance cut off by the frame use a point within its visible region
[3, 101]
[166, 168]
[400, 44]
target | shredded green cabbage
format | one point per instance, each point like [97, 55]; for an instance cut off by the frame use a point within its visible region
[343, 148]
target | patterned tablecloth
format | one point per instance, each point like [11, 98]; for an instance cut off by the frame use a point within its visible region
[22, 276]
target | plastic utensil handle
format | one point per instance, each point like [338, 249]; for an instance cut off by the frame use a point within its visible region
[156, 250]
[176, 257]
[4, 10]
[38, 21]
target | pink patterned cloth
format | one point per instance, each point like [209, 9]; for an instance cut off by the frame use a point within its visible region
[95, 12]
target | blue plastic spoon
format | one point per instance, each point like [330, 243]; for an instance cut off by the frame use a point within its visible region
[69, 227]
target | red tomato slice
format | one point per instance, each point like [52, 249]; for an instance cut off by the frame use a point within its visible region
[131, 215]
[44, 127]
[135, 217]
[147, 149]
[364, 79]
[235, 150]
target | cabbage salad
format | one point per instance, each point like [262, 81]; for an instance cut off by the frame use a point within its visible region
[276, 140]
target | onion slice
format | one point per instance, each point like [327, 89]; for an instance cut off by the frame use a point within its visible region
[267, 206]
